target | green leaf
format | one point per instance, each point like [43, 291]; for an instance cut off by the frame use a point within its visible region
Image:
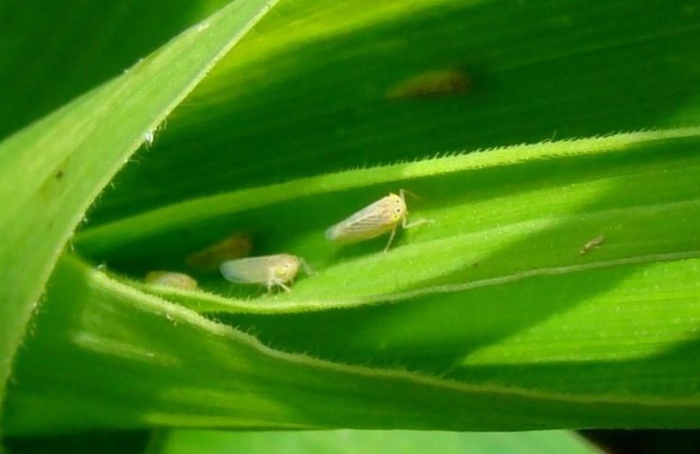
[534, 325]
[306, 95]
[489, 318]
[52, 171]
[90, 44]
[354, 441]
[106, 442]
[105, 355]
[558, 197]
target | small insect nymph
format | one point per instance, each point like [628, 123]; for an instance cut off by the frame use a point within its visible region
[592, 244]
[170, 279]
[438, 82]
[384, 215]
[235, 246]
[271, 270]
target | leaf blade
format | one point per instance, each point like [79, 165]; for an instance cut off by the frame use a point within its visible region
[42, 211]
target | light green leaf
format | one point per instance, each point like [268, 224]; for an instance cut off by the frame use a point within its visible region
[306, 94]
[51, 171]
[488, 319]
[105, 355]
[559, 196]
[388, 442]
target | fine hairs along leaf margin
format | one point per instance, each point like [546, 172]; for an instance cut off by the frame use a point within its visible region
[500, 342]
[447, 204]
[206, 374]
[74, 153]
[470, 224]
